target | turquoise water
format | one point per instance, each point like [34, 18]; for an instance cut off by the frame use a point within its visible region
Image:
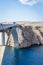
[28, 56]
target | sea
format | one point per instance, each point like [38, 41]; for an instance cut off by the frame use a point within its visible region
[24, 56]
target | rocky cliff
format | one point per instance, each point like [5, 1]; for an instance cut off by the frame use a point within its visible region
[30, 34]
[24, 34]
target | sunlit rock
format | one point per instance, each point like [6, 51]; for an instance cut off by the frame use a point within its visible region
[22, 35]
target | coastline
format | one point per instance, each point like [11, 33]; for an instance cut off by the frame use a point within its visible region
[24, 34]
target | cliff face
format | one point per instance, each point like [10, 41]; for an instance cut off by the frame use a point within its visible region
[30, 34]
[23, 34]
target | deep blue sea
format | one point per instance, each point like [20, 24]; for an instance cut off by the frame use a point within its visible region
[27, 56]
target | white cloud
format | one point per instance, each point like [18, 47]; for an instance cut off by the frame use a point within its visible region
[29, 2]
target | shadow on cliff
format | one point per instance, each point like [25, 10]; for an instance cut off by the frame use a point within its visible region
[39, 28]
[28, 33]
[29, 37]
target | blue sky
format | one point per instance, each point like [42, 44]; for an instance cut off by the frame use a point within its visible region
[21, 10]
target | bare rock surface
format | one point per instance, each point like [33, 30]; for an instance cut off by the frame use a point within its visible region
[31, 35]
[25, 34]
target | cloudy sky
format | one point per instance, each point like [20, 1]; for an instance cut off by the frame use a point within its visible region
[21, 10]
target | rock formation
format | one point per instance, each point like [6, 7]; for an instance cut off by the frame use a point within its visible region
[25, 34]
[30, 35]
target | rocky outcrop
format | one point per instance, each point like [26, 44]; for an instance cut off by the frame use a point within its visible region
[31, 35]
[24, 35]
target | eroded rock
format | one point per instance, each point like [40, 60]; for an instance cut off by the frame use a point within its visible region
[30, 36]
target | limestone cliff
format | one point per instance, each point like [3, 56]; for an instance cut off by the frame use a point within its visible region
[24, 34]
[30, 34]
